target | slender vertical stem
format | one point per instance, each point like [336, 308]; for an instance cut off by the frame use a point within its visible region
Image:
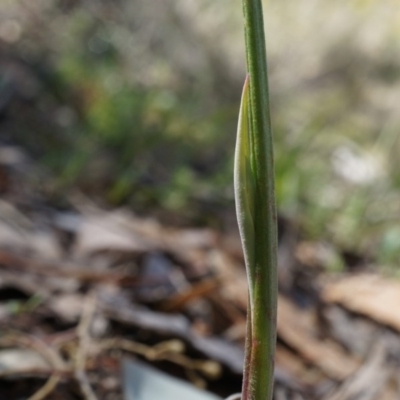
[258, 379]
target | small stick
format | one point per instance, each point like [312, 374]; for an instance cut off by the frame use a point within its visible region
[170, 351]
[47, 388]
[84, 341]
[47, 353]
[236, 396]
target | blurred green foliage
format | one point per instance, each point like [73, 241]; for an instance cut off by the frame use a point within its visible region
[146, 94]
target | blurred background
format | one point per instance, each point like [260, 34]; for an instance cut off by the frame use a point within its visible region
[135, 103]
[118, 232]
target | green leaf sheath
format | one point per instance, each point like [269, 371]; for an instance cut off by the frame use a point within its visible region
[254, 190]
[244, 184]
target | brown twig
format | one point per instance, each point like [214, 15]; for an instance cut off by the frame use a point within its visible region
[83, 345]
[47, 388]
[236, 396]
[49, 354]
[181, 299]
[39, 267]
[170, 350]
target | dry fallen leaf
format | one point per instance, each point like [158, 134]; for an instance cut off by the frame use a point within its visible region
[295, 328]
[105, 232]
[21, 361]
[370, 295]
[369, 381]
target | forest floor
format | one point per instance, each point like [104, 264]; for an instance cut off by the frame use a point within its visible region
[82, 288]
[135, 103]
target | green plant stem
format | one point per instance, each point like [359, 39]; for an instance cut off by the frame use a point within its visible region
[260, 348]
